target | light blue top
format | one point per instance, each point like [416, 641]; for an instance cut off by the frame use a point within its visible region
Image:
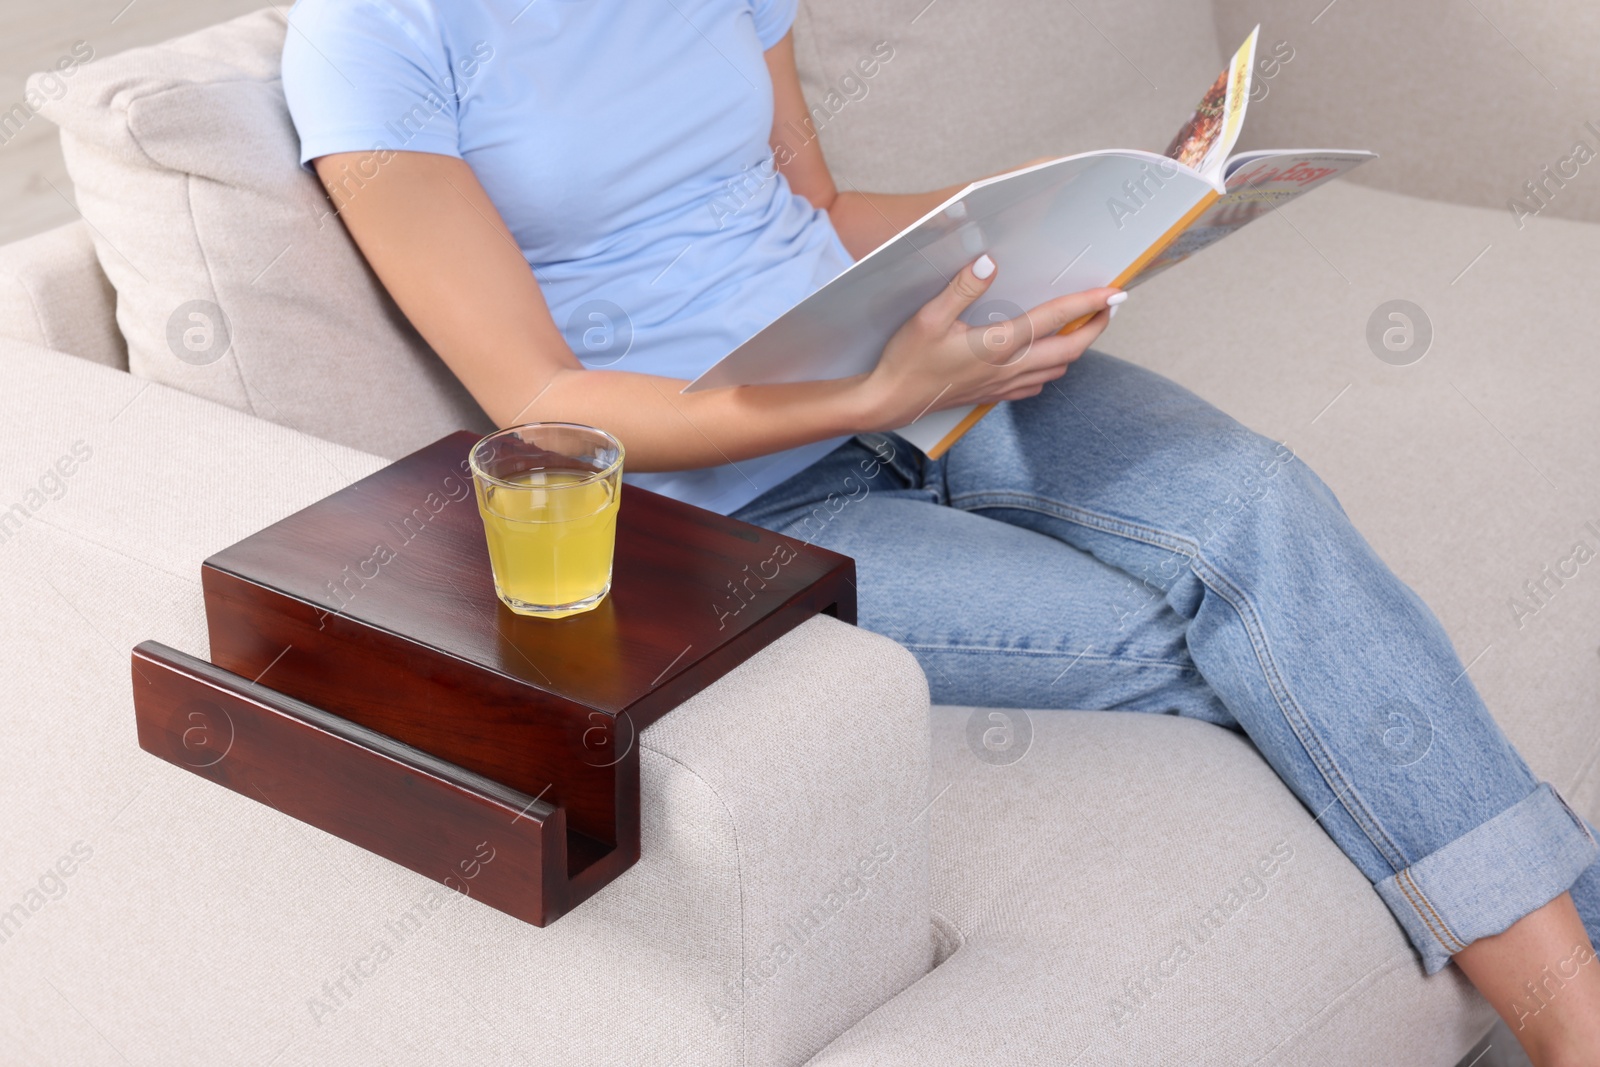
[626, 146]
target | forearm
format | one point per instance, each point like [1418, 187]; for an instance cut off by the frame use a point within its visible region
[664, 429]
[435, 240]
[866, 220]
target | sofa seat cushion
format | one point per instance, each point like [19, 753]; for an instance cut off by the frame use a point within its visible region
[196, 926]
[235, 281]
[1125, 888]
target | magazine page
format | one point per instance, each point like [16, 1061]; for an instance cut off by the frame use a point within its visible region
[1257, 182]
[1202, 144]
[1054, 228]
[1211, 132]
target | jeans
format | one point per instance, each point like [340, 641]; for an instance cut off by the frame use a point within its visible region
[1117, 543]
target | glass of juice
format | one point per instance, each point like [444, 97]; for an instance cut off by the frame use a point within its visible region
[548, 493]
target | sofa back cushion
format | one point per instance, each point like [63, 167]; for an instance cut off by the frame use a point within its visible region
[1470, 116]
[234, 281]
[972, 88]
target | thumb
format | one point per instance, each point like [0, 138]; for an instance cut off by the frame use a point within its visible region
[970, 282]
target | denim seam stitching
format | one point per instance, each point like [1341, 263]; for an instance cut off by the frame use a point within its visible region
[1321, 758]
[1076, 656]
[1423, 896]
[1441, 933]
[1400, 884]
[1044, 505]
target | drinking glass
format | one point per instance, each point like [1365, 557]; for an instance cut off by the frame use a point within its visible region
[548, 493]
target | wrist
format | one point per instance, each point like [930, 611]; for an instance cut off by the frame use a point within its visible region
[868, 404]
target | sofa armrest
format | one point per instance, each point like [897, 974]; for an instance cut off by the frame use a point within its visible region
[797, 847]
[782, 892]
[1461, 101]
[54, 294]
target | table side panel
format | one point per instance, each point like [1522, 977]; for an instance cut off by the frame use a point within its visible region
[492, 843]
[485, 722]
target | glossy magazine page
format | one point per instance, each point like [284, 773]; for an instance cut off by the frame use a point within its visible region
[1054, 228]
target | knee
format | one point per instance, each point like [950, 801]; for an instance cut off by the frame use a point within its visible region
[1252, 464]
[1244, 481]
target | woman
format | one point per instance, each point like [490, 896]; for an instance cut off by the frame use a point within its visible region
[582, 205]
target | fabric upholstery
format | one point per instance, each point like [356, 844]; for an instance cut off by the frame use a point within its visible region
[185, 163]
[1463, 101]
[203, 926]
[53, 293]
[1084, 938]
[1088, 939]
[970, 91]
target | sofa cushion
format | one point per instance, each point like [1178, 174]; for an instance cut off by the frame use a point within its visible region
[1499, 97]
[234, 281]
[200, 927]
[1141, 889]
[53, 293]
[972, 89]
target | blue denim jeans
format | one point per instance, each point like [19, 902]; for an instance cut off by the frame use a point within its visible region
[1118, 543]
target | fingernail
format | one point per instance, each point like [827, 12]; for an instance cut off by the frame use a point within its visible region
[983, 268]
[1113, 311]
[1115, 298]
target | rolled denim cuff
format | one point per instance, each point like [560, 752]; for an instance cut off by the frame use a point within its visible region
[1487, 879]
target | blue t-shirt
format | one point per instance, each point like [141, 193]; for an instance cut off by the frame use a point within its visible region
[626, 146]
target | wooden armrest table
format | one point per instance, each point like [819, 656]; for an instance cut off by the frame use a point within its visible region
[366, 680]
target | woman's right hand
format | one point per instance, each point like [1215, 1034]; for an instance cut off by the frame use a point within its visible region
[936, 361]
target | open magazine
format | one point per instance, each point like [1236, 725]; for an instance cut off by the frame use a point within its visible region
[1111, 218]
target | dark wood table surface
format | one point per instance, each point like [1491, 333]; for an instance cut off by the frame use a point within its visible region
[365, 679]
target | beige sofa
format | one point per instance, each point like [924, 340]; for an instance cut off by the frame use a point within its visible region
[1025, 898]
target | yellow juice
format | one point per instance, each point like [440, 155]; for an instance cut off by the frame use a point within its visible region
[551, 540]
